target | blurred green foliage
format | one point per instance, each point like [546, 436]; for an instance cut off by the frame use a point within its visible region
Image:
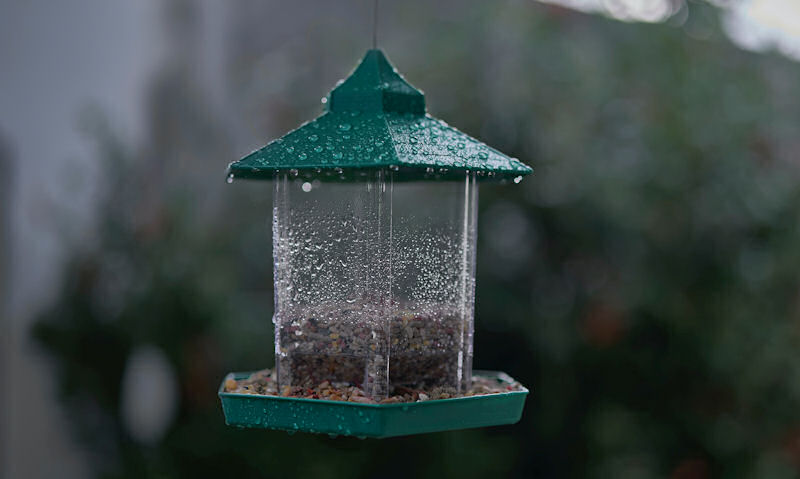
[643, 283]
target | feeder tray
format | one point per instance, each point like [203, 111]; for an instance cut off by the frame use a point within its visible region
[339, 418]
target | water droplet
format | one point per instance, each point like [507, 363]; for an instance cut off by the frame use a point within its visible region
[337, 155]
[229, 179]
[318, 149]
[517, 179]
[483, 155]
[344, 127]
[313, 138]
[306, 187]
[394, 167]
[289, 149]
[324, 100]
[302, 156]
[293, 171]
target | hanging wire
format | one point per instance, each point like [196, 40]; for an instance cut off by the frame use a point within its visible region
[375, 24]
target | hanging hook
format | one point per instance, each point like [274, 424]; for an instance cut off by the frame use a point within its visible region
[375, 24]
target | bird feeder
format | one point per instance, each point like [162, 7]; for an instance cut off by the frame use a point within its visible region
[374, 231]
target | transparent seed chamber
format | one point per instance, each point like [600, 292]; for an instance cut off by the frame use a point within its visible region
[374, 281]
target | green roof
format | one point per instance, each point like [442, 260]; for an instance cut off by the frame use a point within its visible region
[375, 119]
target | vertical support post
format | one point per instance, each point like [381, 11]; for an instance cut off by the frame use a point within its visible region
[381, 300]
[467, 303]
[281, 251]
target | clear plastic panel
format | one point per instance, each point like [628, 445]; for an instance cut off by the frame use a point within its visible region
[374, 282]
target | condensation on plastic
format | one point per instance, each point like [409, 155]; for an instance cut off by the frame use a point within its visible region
[374, 282]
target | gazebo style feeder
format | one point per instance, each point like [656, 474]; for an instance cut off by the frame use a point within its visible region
[374, 229]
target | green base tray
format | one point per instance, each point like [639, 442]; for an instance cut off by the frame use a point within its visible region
[372, 420]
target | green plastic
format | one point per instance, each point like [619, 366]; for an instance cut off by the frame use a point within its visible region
[372, 420]
[375, 119]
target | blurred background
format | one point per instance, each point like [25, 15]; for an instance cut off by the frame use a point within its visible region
[643, 282]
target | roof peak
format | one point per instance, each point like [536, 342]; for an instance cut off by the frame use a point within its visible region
[376, 86]
[375, 119]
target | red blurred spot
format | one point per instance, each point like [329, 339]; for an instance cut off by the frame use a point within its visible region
[691, 469]
[790, 446]
[201, 355]
[603, 326]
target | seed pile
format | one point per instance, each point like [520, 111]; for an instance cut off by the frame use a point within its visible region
[346, 343]
[265, 383]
